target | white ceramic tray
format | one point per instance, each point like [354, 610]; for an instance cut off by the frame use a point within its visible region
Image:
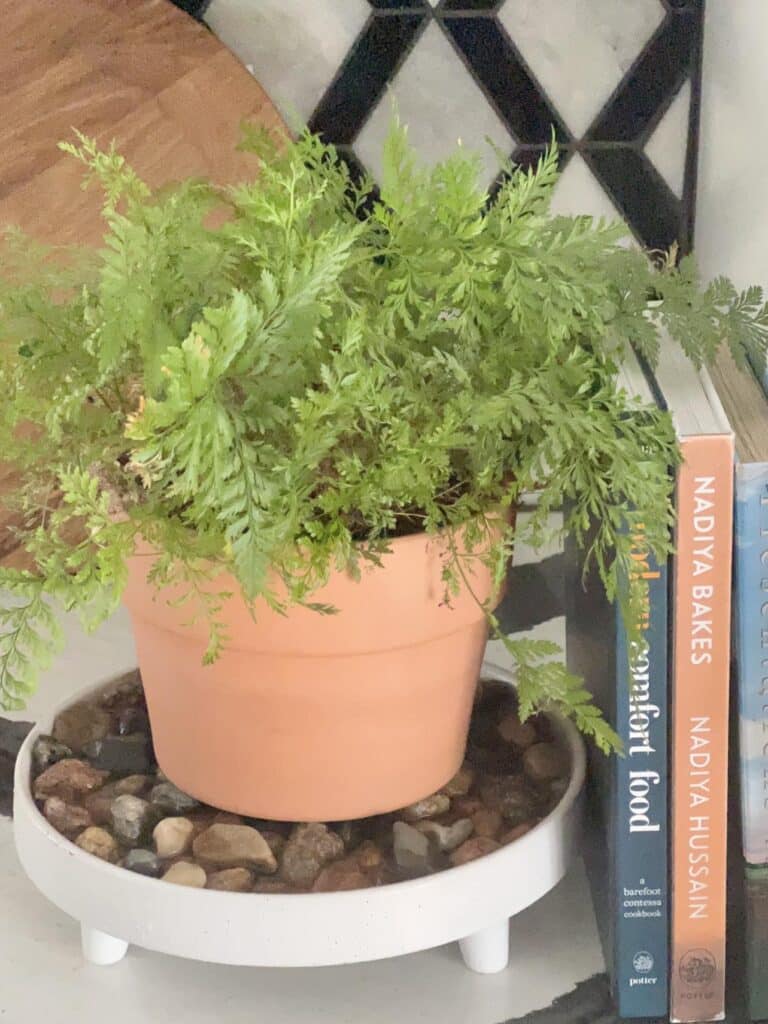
[471, 903]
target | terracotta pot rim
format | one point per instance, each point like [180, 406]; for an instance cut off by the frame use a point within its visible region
[495, 513]
[222, 579]
[316, 655]
[408, 539]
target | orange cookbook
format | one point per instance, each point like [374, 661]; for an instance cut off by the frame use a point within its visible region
[701, 658]
[701, 617]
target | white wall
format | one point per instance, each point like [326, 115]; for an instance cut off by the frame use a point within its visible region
[732, 207]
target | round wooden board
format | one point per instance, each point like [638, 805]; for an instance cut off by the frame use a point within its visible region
[140, 72]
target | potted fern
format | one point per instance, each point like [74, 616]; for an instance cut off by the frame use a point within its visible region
[292, 437]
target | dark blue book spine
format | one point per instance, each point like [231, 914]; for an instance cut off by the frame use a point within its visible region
[626, 840]
[640, 799]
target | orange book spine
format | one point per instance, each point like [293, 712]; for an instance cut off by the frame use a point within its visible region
[701, 661]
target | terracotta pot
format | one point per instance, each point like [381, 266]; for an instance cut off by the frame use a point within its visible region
[316, 717]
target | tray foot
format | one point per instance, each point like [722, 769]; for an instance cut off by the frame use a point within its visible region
[487, 951]
[100, 948]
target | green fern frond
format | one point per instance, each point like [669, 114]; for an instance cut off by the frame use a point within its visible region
[109, 168]
[273, 380]
[30, 636]
[545, 683]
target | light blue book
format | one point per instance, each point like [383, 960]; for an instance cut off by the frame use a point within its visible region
[746, 406]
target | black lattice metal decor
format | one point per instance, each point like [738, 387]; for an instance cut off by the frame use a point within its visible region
[613, 144]
[483, 37]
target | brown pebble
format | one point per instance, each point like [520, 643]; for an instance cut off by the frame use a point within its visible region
[185, 873]
[368, 855]
[310, 848]
[341, 876]
[226, 818]
[512, 795]
[201, 820]
[544, 762]
[234, 846]
[476, 847]
[273, 887]
[125, 691]
[466, 806]
[132, 785]
[461, 783]
[231, 880]
[99, 804]
[80, 724]
[68, 779]
[487, 822]
[350, 832]
[275, 841]
[68, 819]
[520, 734]
[515, 833]
[100, 843]
[429, 807]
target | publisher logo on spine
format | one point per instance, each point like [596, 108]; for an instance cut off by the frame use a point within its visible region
[697, 967]
[642, 962]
